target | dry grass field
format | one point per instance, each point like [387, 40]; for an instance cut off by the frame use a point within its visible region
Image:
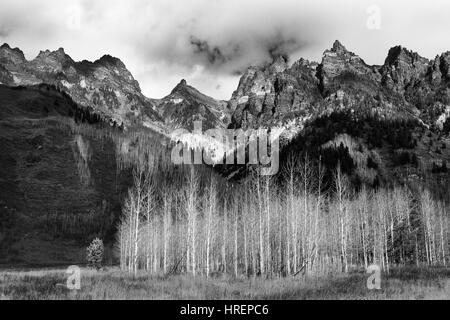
[50, 284]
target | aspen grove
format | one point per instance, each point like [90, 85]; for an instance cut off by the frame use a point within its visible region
[200, 225]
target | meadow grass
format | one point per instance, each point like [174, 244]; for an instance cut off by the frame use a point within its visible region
[50, 284]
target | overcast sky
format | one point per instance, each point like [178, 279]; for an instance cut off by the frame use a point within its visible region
[210, 42]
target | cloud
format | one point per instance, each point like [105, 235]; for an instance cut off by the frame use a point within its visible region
[226, 37]
[3, 31]
[211, 42]
[213, 55]
[237, 54]
[281, 46]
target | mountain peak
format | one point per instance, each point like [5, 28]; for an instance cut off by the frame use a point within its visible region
[44, 53]
[398, 53]
[108, 59]
[338, 47]
[279, 63]
[5, 46]
[337, 61]
[186, 104]
[394, 53]
[181, 86]
[280, 59]
[11, 55]
[59, 53]
[52, 59]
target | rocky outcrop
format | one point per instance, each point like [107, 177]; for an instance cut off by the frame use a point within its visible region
[5, 76]
[272, 93]
[338, 61]
[402, 67]
[11, 58]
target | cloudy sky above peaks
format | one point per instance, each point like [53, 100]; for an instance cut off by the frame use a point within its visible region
[211, 42]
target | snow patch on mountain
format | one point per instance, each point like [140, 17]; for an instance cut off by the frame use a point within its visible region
[67, 84]
[177, 101]
[443, 118]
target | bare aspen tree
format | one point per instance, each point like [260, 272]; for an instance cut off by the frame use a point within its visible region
[306, 175]
[441, 232]
[138, 175]
[341, 190]
[278, 237]
[295, 238]
[167, 223]
[320, 177]
[149, 209]
[268, 224]
[289, 174]
[224, 238]
[211, 209]
[188, 241]
[261, 227]
[253, 238]
[235, 242]
[244, 226]
[131, 231]
[426, 210]
[384, 214]
[192, 216]
[245, 215]
[363, 224]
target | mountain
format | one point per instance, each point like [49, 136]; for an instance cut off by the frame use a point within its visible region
[104, 85]
[185, 104]
[396, 113]
[64, 171]
[275, 93]
[380, 122]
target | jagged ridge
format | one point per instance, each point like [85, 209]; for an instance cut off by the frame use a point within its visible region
[105, 84]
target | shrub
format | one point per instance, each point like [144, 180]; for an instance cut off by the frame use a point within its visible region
[95, 254]
[404, 158]
[439, 168]
[446, 128]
